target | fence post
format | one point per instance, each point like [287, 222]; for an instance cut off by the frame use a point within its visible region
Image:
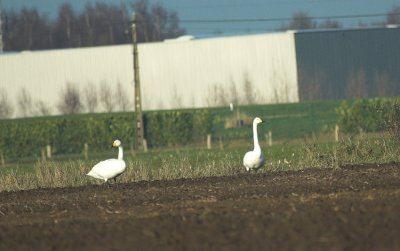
[86, 151]
[270, 138]
[336, 133]
[145, 145]
[208, 141]
[48, 151]
[43, 152]
[2, 160]
[132, 149]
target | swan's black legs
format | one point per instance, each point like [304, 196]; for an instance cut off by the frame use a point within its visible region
[115, 181]
[108, 184]
[111, 184]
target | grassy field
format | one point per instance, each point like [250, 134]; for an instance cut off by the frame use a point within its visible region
[303, 138]
[189, 162]
[286, 121]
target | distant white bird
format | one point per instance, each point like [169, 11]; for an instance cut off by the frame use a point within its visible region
[111, 168]
[231, 106]
[255, 159]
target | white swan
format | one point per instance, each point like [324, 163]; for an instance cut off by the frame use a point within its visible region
[111, 168]
[255, 159]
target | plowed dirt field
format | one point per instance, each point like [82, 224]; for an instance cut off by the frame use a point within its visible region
[351, 208]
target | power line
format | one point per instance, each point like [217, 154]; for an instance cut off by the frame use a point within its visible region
[200, 25]
[249, 20]
[246, 4]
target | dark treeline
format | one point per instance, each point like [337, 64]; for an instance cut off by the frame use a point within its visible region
[103, 24]
[99, 24]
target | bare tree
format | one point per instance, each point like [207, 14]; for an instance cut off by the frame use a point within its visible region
[250, 94]
[330, 24]
[176, 99]
[65, 26]
[385, 86]
[301, 21]
[121, 97]
[223, 99]
[393, 16]
[6, 109]
[357, 84]
[233, 93]
[155, 23]
[25, 30]
[70, 101]
[97, 24]
[91, 100]
[106, 97]
[312, 85]
[24, 102]
[42, 108]
[216, 96]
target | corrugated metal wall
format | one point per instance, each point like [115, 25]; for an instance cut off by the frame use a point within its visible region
[278, 67]
[348, 63]
[173, 74]
[44, 74]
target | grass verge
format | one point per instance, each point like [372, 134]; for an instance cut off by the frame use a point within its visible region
[193, 163]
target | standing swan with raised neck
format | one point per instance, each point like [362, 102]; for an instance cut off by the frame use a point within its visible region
[111, 168]
[253, 160]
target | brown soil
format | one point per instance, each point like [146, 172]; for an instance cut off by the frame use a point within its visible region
[351, 208]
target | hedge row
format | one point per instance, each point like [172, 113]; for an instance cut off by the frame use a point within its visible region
[68, 134]
[370, 115]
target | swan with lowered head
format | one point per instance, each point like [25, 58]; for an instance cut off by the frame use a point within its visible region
[255, 159]
[111, 168]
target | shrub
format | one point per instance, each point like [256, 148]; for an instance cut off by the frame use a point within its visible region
[392, 122]
[370, 115]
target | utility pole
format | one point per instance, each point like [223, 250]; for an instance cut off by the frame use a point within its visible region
[1, 32]
[138, 98]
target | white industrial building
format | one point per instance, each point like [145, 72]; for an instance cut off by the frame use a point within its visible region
[266, 68]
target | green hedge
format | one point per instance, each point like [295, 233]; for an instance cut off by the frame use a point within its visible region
[67, 134]
[369, 115]
[176, 127]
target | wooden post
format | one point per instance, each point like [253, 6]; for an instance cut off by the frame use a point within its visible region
[208, 141]
[145, 145]
[48, 151]
[138, 98]
[221, 144]
[133, 149]
[270, 138]
[237, 117]
[337, 133]
[43, 152]
[86, 151]
[2, 160]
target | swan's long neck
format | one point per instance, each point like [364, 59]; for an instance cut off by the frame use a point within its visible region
[120, 153]
[255, 136]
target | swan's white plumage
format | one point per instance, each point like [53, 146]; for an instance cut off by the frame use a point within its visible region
[111, 168]
[255, 159]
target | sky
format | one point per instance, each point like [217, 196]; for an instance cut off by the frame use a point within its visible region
[189, 10]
